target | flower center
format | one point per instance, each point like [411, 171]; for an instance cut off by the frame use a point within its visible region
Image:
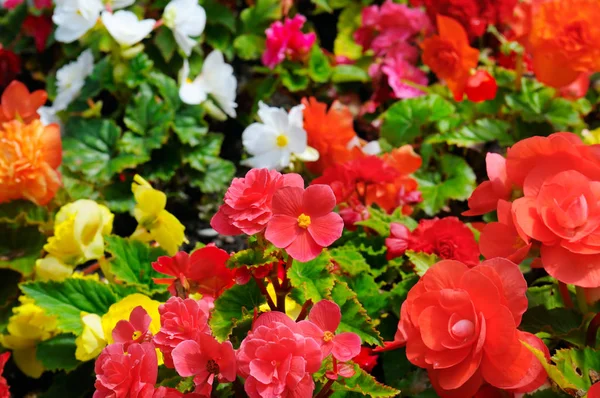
[574, 37]
[303, 220]
[577, 211]
[136, 335]
[328, 336]
[282, 140]
[463, 329]
[212, 367]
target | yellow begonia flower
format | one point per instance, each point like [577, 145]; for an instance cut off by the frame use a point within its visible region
[92, 341]
[591, 137]
[154, 221]
[51, 268]
[79, 231]
[292, 308]
[28, 325]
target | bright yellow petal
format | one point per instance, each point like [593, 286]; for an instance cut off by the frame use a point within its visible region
[168, 232]
[91, 342]
[52, 268]
[28, 363]
[122, 309]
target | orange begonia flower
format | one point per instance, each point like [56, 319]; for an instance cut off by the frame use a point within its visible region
[17, 101]
[331, 133]
[565, 40]
[31, 153]
[449, 55]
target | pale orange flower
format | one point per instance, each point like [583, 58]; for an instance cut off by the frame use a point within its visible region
[30, 155]
[565, 40]
[18, 102]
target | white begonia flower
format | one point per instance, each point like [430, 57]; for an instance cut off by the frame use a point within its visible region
[273, 141]
[75, 17]
[216, 79]
[126, 28]
[71, 78]
[118, 4]
[187, 19]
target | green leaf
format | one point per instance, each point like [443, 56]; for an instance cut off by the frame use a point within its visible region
[137, 70]
[232, 306]
[217, 13]
[312, 278]
[20, 248]
[257, 18]
[216, 178]
[249, 46]
[405, 120]
[365, 384]
[205, 152]
[483, 130]
[319, 69]
[554, 373]
[90, 148]
[547, 393]
[167, 88]
[369, 293]
[58, 353]
[354, 316]
[350, 260]
[578, 365]
[457, 183]
[190, 125]
[78, 383]
[164, 163]
[421, 260]
[562, 114]
[547, 295]
[322, 5]
[349, 74]
[165, 42]
[23, 212]
[400, 291]
[252, 258]
[349, 20]
[380, 221]
[294, 81]
[131, 262]
[100, 79]
[67, 299]
[560, 323]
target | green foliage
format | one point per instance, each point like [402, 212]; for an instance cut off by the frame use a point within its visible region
[578, 366]
[20, 248]
[58, 353]
[380, 221]
[348, 22]
[365, 384]
[559, 323]
[481, 131]
[66, 300]
[23, 212]
[319, 69]
[350, 261]
[421, 261]
[252, 258]
[312, 278]
[349, 74]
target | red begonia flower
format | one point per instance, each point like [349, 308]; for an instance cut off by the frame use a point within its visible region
[16, 100]
[4, 388]
[10, 66]
[481, 87]
[135, 330]
[486, 196]
[365, 359]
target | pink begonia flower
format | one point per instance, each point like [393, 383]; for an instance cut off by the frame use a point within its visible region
[127, 373]
[167, 392]
[398, 241]
[277, 360]
[323, 320]
[247, 202]
[180, 320]
[39, 4]
[398, 70]
[135, 330]
[345, 370]
[205, 359]
[303, 221]
[286, 39]
[486, 196]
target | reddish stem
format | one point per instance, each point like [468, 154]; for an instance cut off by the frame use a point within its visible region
[325, 390]
[263, 290]
[564, 293]
[91, 268]
[592, 331]
[304, 310]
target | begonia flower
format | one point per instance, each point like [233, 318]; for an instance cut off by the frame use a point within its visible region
[323, 320]
[51, 268]
[70, 79]
[286, 40]
[38, 27]
[365, 359]
[187, 19]
[134, 330]
[206, 359]
[4, 387]
[10, 66]
[486, 196]
[481, 87]
[303, 221]
[18, 102]
[75, 18]
[126, 28]
[273, 141]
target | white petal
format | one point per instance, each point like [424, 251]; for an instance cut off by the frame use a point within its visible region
[220, 81]
[270, 160]
[309, 155]
[117, 4]
[184, 73]
[296, 139]
[192, 93]
[186, 18]
[372, 148]
[259, 138]
[184, 42]
[126, 28]
[296, 117]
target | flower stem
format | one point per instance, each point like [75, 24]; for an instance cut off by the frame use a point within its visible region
[325, 389]
[519, 69]
[564, 293]
[263, 290]
[592, 331]
[93, 267]
[581, 300]
[304, 310]
[284, 287]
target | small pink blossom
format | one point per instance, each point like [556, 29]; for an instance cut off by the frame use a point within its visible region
[180, 320]
[303, 221]
[126, 373]
[247, 202]
[286, 39]
[135, 330]
[398, 72]
[277, 360]
[205, 359]
[323, 320]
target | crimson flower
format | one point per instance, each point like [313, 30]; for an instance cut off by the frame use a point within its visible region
[204, 271]
[205, 359]
[135, 330]
[286, 39]
[323, 320]
[10, 66]
[4, 388]
[38, 27]
[303, 221]
[365, 359]
[481, 86]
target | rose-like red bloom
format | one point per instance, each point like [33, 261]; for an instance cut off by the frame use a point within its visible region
[481, 87]
[16, 100]
[135, 330]
[473, 15]
[447, 238]
[450, 56]
[205, 359]
[204, 271]
[180, 320]
[486, 196]
[4, 388]
[323, 320]
[10, 66]
[277, 360]
[366, 359]
[286, 39]
[168, 392]
[127, 373]
[460, 324]
[38, 27]
[303, 221]
[247, 202]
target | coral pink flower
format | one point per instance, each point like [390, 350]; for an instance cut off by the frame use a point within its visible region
[486, 196]
[135, 330]
[168, 392]
[127, 373]
[277, 360]
[460, 324]
[16, 100]
[180, 320]
[4, 388]
[303, 221]
[247, 202]
[286, 39]
[204, 271]
[323, 320]
[205, 359]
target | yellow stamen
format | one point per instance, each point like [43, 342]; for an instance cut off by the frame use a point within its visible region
[136, 335]
[303, 220]
[328, 336]
[282, 140]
